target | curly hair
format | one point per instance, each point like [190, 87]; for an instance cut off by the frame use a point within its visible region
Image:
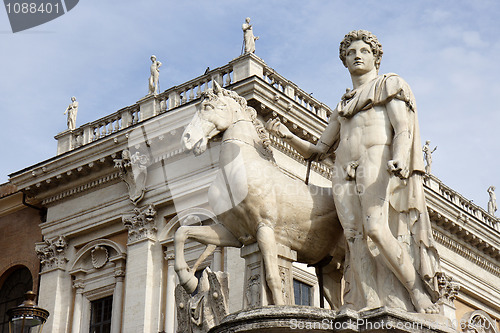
[365, 36]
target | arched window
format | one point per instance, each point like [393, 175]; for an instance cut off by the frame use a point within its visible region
[12, 291]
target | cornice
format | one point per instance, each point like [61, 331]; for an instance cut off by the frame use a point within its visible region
[473, 256]
[81, 188]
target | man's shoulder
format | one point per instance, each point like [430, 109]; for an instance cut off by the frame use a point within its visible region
[392, 86]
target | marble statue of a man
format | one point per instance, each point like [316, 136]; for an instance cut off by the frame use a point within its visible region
[378, 189]
[248, 37]
[428, 156]
[492, 203]
[155, 76]
[72, 110]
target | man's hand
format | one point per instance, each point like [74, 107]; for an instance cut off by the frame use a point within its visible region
[398, 168]
[277, 128]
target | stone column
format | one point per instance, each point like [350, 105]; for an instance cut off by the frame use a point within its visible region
[217, 263]
[141, 307]
[116, 316]
[55, 283]
[256, 293]
[77, 310]
[170, 301]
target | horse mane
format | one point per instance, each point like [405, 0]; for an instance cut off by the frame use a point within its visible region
[262, 133]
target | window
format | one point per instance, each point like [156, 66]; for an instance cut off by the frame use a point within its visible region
[302, 292]
[12, 293]
[100, 317]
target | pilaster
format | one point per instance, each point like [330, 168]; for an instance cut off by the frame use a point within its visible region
[143, 271]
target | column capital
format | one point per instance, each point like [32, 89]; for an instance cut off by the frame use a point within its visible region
[52, 253]
[141, 224]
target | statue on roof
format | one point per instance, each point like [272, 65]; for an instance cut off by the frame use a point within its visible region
[492, 203]
[248, 37]
[155, 76]
[72, 110]
[428, 156]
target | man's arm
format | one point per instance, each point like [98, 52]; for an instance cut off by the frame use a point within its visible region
[399, 117]
[305, 148]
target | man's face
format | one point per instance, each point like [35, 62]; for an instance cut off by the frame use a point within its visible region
[359, 58]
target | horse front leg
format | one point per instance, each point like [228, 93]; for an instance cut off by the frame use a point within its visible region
[211, 235]
[267, 245]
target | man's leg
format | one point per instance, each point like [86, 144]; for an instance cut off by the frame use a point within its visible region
[375, 209]
[359, 266]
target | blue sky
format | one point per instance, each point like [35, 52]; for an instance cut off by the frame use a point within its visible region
[448, 51]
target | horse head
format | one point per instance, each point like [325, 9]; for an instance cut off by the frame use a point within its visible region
[216, 114]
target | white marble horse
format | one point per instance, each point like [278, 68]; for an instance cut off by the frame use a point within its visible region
[256, 202]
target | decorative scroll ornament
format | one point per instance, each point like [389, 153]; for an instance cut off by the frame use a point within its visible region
[133, 171]
[52, 253]
[141, 224]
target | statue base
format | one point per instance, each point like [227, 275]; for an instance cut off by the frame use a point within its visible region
[301, 319]
[256, 291]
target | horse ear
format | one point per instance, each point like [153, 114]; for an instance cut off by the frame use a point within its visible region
[217, 88]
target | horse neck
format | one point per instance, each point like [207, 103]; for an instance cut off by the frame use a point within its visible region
[242, 130]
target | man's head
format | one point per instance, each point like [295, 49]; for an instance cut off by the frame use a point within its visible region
[153, 58]
[366, 37]
[73, 98]
[247, 20]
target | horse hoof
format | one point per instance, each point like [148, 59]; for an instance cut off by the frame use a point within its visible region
[190, 285]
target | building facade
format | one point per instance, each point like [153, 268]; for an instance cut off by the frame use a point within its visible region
[120, 186]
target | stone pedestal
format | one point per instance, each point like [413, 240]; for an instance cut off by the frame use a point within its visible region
[64, 141]
[246, 66]
[301, 319]
[149, 106]
[256, 293]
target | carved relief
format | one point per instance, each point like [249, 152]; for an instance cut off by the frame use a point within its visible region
[78, 285]
[285, 284]
[99, 256]
[52, 253]
[133, 171]
[253, 291]
[141, 224]
[199, 313]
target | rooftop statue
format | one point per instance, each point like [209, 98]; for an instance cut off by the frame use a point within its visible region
[155, 76]
[428, 156]
[492, 203]
[379, 195]
[248, 37]
[72, 110]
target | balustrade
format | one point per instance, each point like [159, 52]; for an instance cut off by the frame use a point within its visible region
[302, 98]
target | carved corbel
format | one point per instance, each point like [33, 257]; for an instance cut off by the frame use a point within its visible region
[133, 171]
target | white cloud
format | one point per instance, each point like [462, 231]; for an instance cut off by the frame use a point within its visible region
[100, 51]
